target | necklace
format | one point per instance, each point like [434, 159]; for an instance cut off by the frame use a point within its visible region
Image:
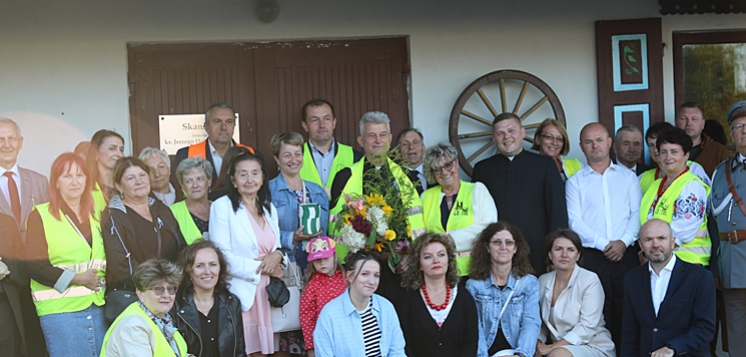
[662, 190]
[430, 303]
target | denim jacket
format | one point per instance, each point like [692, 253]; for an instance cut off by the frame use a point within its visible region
[287, 207]
[521, 322]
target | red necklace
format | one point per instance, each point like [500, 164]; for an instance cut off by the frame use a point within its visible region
[430, 303]
[661, 190]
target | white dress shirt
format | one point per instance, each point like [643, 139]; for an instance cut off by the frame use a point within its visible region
[659, 283]
[603, 208]
[4, 182]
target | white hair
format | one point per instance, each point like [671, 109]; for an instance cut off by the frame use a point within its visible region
[374, 117]
[147, 152]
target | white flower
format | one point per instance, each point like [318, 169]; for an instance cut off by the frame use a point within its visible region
[377, 217]
[352, 239]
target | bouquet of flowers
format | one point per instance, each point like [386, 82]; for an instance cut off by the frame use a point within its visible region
[370, 223]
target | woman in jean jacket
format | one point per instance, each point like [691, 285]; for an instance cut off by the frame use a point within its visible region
[288, 191]
[500, 267]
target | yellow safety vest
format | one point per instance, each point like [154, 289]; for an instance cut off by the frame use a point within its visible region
[698, 250]
[461, 216]
[186, 223]
[68, 250]
[355, 186]
[161, 348]
[571, 166]
[345, 158]
[99, 200]
[648, 177]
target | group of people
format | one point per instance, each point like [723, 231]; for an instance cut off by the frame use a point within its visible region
[196, 243]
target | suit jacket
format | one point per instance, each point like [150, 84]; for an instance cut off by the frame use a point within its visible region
[528, 193]
[686, 317]
[11, 250]
[233, 234]
[34, 190]
[578, 311]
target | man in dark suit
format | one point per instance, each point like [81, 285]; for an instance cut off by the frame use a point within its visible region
[20, 189]
[629, 147]
[220, 121]
[669, 305]
[411, 149]
[13, 290]
[527, 187]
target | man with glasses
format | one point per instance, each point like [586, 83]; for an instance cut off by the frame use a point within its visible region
[527, 188]
[603, 207]
[629, 147]
[728, 190]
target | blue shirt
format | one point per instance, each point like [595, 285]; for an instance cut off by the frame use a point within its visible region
[339, 329]
[287, 208]
[323, 161]
[521, 321]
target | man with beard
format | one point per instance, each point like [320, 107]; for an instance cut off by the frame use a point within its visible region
[669, 304]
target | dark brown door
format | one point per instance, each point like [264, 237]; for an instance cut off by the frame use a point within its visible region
[267, 84]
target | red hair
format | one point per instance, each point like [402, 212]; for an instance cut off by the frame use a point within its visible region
[61, 165]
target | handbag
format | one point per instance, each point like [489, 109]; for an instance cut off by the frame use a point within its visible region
[116, 300]
[287, 317]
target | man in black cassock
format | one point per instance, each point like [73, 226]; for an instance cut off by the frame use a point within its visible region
[527, 187]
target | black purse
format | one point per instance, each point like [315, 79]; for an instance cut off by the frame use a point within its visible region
[277, 292]
[116, 301]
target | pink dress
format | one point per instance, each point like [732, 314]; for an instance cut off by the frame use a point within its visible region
[257, 322]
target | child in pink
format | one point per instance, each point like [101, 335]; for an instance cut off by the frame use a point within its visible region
[324, 282]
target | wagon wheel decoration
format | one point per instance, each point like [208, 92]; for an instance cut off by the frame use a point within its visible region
[520, 93]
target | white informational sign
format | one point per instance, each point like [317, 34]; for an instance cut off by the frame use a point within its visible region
[178, 131]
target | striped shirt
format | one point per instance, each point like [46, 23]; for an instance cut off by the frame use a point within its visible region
[371, 332]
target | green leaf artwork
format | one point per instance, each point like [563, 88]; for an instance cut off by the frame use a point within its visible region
[629, 58]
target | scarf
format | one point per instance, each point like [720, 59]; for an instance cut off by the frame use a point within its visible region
[165, 324]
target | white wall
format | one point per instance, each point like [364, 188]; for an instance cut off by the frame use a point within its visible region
[63, 64]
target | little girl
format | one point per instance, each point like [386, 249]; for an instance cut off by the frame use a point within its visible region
[324, 282]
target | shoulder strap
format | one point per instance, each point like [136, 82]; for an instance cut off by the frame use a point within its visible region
[507, 301]
[736, 198]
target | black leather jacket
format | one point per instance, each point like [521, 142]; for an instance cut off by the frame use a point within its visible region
[230, 339]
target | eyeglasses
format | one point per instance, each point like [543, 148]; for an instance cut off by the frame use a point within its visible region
[499, 242]
[159, 290]
[552, 138]
[447, 166]
[737, 126]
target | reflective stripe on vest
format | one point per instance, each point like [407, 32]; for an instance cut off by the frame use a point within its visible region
[699, 249]
[186, 223]
[355, 186]
[69, 251]
[345, 158]
[461, 216]
[200, 150]
[571, 166]
[161, 348]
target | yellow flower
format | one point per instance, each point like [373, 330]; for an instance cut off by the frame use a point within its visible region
[378, 247]
[363, 211]
[375, 199]
[387, 210]
[390, 235]
[346, 219]
[409, 231]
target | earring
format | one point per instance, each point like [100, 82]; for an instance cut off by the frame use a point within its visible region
[190, 278]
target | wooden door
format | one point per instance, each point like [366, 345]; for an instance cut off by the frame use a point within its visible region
[267, 84]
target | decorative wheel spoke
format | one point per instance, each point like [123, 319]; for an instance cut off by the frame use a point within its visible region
[479, 152]
[475, 135]
[478, 103]
[487, 102]
[520, 97]
[476, 117]
[533, 109]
